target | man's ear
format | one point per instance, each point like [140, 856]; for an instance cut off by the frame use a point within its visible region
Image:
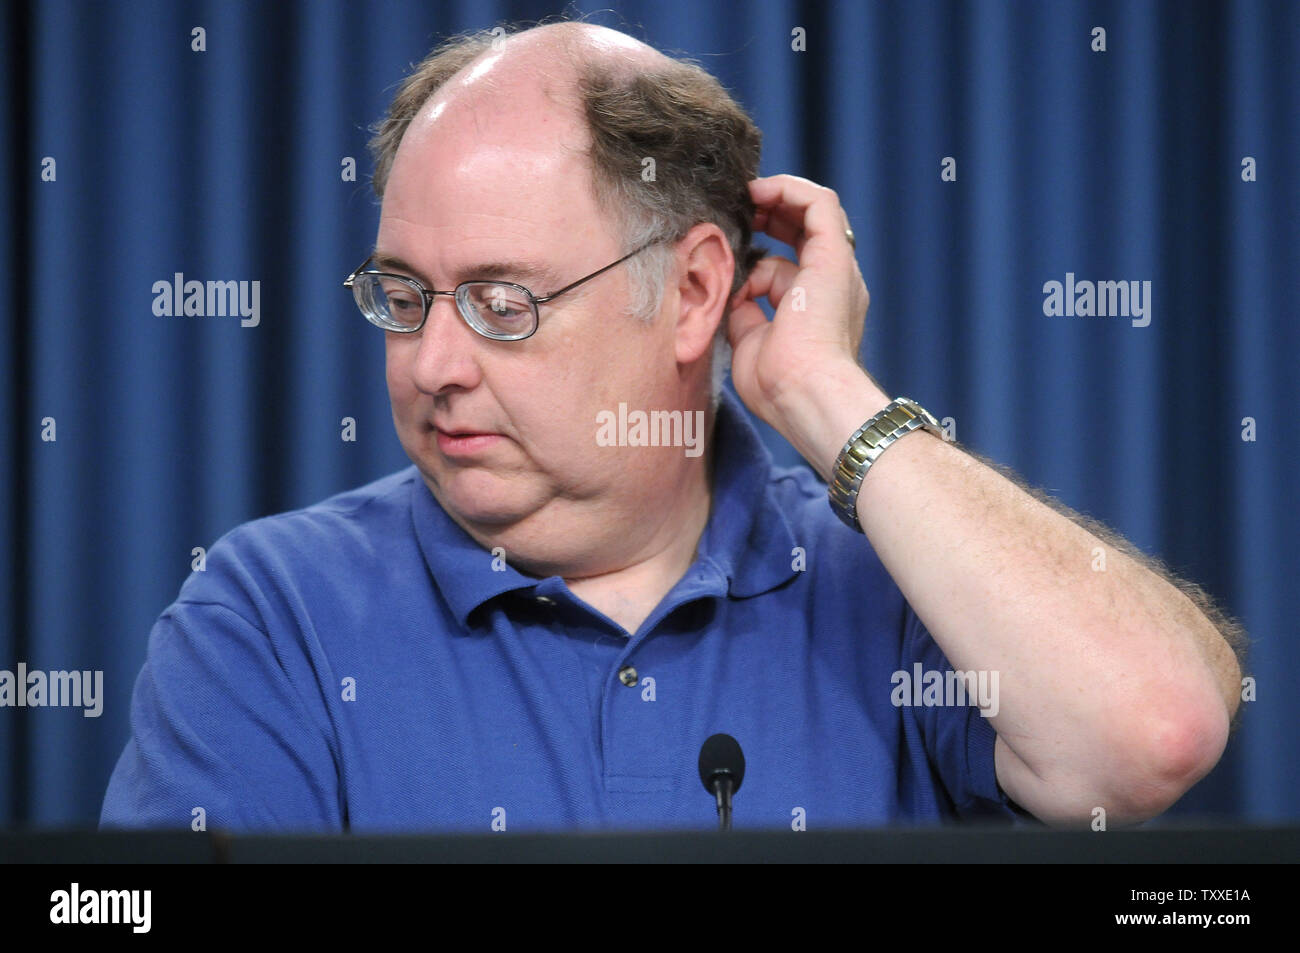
[705, 266]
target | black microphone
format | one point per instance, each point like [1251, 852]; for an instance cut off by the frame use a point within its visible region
[722, 768]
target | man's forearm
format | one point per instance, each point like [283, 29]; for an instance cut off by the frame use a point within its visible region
[1115, 690]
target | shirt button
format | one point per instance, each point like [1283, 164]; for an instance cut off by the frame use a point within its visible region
[545, 601]
[627, 675]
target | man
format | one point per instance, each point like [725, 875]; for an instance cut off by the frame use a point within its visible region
[538, 624]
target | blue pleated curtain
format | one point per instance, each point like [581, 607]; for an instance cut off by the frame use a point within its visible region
[129, 157]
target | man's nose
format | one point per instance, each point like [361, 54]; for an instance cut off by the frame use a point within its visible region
[447, 355]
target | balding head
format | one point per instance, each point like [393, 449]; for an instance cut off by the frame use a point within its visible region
[668, 147]
[545, 61]
[560, 51]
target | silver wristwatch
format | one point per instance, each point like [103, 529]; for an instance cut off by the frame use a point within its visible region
[868, 442]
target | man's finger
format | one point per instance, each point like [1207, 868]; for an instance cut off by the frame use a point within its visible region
[799, 211]
[743, 319]
[770, 278]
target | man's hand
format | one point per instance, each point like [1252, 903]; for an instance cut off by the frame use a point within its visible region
[800, 372]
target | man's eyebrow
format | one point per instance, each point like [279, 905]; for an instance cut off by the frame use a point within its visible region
[520, 271]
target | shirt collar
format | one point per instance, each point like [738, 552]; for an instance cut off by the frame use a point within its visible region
[748, 540]
[748, 535]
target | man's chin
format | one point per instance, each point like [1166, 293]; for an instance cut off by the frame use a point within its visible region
[481, 499]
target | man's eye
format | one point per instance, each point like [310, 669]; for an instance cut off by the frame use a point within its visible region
[403, 302]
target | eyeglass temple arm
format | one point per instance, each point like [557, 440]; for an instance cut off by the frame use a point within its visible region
[556, 294]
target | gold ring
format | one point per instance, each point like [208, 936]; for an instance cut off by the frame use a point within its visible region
[848, 233]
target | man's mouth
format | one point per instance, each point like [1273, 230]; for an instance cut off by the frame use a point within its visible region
[459, 443]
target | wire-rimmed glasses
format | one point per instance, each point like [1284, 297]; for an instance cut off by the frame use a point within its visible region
[500, 310]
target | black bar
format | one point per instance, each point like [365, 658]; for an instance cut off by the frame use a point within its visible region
[1228, 845]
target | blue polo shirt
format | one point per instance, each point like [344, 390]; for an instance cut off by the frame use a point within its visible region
[363, 664]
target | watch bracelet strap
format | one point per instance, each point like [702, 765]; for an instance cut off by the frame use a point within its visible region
[900, 417]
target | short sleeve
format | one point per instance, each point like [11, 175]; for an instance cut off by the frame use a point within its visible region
[218, 723]
[958, 739]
